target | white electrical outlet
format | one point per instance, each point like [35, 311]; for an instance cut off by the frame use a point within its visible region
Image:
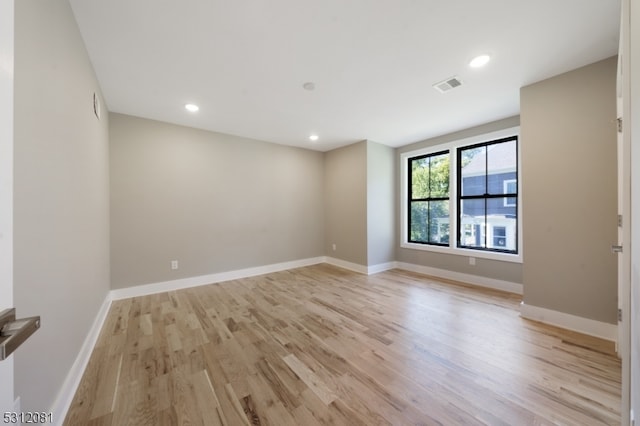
[174, 264]
[333, 247]
[472, 261]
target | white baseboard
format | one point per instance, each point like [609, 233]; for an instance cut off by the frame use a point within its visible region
[381, 267]
[476, 280]
[71, 383]
[146, 289]
[355, 267]
[361, 269]
[582, 325]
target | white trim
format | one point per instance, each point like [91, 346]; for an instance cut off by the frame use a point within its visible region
[471, 140]
[480, 254]
[380, 267]
[475, 280]
[453, 213]
[146, 289]
[7, 27]
[69, 388]
[582, 325]
[355, 267]
[72, 381]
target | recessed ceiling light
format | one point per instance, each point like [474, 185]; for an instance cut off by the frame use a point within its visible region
[479, 61]
[313, 137]
[191, 107]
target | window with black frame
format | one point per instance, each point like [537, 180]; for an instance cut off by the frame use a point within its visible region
[487, 201]
[429, 199]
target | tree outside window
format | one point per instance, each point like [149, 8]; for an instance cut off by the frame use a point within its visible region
[429, 199]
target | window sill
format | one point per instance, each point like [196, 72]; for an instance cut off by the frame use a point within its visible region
[503, 257]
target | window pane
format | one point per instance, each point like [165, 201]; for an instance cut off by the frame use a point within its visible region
[429, 202]
[510, 186]
[499, 238]
[510, 202]
[418, 220]
[430, 177]
[439, 223]
[420, 178]
[439, 178]
[501, 164]
[474, 170]
[502, 232]
[472, 223]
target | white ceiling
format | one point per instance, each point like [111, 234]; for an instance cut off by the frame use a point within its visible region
[373, 62]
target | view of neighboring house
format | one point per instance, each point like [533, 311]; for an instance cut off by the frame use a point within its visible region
[491, 175]
[486, 196]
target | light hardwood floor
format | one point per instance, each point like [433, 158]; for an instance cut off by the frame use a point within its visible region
[321, 345]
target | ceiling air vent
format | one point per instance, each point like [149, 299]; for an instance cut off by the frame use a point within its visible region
[448, 84]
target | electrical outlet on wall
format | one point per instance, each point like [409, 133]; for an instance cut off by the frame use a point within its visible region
[472, 261]
[334, 246]
[174, 264]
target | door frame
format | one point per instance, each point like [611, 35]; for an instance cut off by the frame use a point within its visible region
[631, 14]
[623, 344]
[7, 19]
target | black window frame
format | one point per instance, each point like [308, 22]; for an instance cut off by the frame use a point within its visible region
[429, 199]
[486, 196]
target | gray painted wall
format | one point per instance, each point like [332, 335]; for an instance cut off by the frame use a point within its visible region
[381, 228]
[345, 206]
[507, 271]
[359, 203]
[61, 197]
[569, 192]
[213, 202]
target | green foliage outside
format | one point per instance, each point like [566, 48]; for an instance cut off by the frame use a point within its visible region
[469, 153]
[430, 179]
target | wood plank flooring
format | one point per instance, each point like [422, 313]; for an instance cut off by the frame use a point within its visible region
[323, 346]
